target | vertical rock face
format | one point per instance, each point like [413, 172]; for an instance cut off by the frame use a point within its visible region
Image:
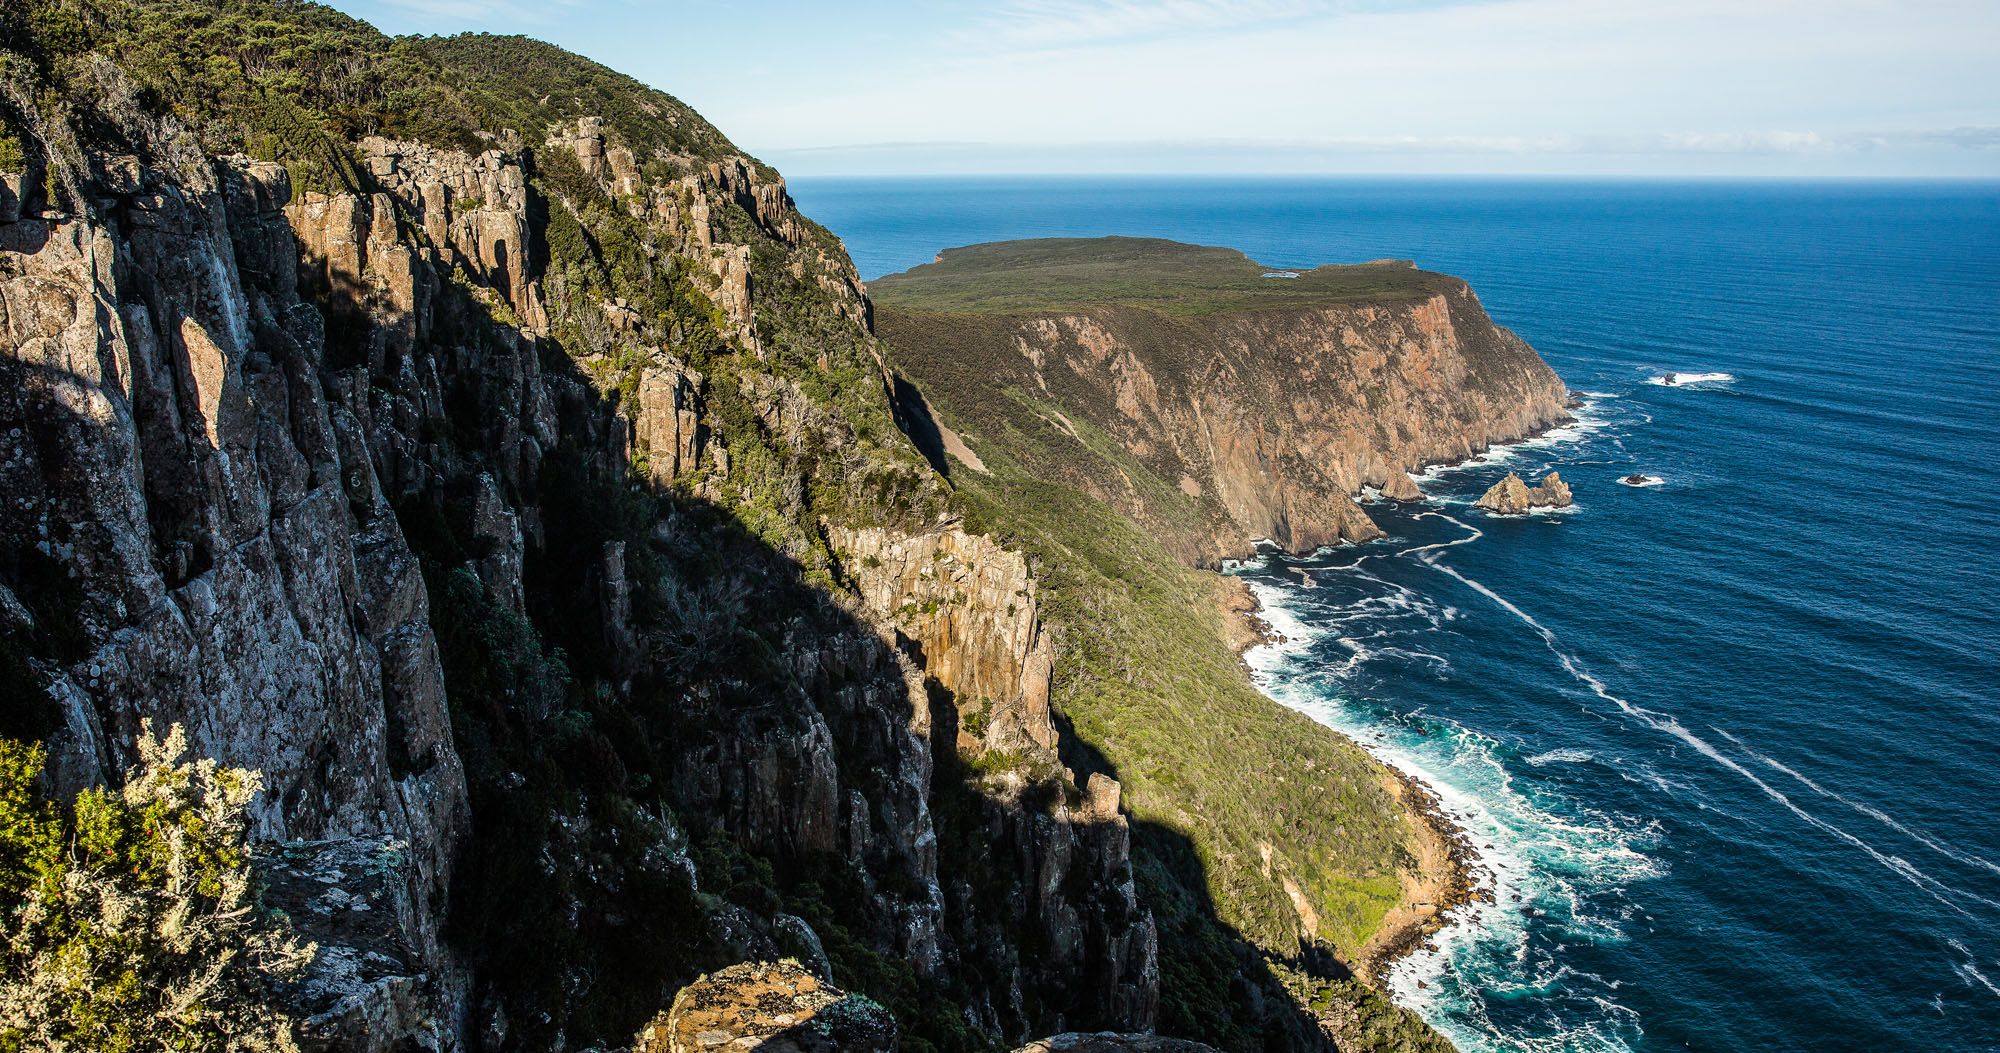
[256, 435]
[966, 609]
[193, 510]
[965, 606]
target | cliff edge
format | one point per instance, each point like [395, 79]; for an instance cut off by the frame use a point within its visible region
[1206, 397]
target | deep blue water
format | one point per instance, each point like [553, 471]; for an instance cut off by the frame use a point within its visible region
[1733, 740]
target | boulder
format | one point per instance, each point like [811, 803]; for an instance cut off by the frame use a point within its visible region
[772, 1007]
[1112, 1042]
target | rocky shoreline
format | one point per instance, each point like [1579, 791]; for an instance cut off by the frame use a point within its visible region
[1443, 882]
[1443, 879]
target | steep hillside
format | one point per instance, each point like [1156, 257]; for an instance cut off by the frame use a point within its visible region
[1212, 400]
[472, 441]
[475, 443]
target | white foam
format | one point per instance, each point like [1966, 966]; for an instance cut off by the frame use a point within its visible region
[1866, 809]
[1586, 422]
[1559, 756]
[1522, 854]
[1644, 480]
[1683, 380]
[1474, 535]
[1969, 972]
[1938, 890]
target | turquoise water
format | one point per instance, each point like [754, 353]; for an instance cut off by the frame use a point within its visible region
[1727, 744]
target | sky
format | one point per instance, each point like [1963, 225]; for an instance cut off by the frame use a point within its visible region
[1289, 87]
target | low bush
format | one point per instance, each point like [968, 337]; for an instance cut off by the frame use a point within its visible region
[131, 919]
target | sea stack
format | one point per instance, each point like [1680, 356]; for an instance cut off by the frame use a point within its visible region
[1512, 496]
[1401, 487]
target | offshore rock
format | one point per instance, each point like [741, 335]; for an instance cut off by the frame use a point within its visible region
[1551, 492]
[771, 1007]
[1508, 497]
[1512, 497]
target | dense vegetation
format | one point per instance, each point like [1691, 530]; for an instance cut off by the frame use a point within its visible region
[1165, 276]
[127, 919]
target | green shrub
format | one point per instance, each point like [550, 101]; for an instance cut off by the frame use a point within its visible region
[130, 918]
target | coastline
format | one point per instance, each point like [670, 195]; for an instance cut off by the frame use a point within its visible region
[1442, 882]
[1444, 879]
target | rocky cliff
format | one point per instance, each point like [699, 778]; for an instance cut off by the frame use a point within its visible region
[1211, 402]
[477, 444]
[504, 468]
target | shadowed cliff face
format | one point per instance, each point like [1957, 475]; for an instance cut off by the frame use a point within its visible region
[1217, 422]
[537, 527]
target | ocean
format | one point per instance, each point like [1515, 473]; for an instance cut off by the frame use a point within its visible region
[1728, 744]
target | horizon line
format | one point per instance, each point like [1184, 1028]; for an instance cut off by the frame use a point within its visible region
[1607, 177]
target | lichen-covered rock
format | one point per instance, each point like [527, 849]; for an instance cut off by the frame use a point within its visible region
[367, 989]
[772, 1007]
[1113, 1042]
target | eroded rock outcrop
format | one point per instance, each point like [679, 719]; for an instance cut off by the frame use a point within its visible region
[1512, 496]
[772, 1007]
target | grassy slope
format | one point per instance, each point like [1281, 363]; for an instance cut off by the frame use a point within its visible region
[1213, 771]
[1209, 764]
[1067, 273]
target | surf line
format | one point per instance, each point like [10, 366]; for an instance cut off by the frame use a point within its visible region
[1868, 810]
[1937, 890]
[1441, 545]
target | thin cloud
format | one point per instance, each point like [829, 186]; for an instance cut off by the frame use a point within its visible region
[486, 12]
[1766, 142]
[1068, 23]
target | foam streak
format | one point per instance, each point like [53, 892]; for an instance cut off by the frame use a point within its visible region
[1662, 722]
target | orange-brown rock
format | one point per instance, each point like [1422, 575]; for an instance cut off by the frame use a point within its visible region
[966, 606]
[1213, 405]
